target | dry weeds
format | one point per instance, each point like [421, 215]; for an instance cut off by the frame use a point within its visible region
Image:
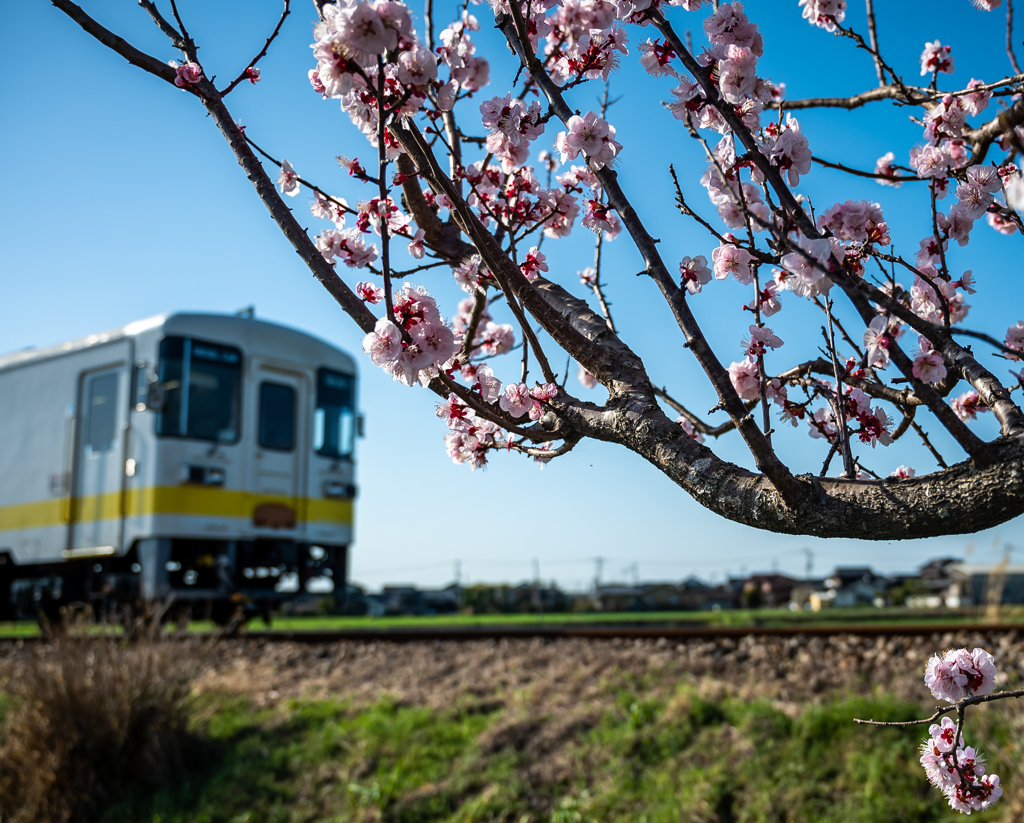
[89, 717]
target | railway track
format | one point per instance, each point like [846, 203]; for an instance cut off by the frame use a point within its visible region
[552, 631]
[628, 632]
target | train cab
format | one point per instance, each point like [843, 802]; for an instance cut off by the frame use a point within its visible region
[199, 459]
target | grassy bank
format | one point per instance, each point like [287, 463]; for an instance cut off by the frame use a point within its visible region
[692, 757]
[731, 617]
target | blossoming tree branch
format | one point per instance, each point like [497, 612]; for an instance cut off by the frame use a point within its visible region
[964, 679]
[476, 184]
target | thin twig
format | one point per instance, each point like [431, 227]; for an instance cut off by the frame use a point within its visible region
[1009, 36]
[263, 51]
[873, 39]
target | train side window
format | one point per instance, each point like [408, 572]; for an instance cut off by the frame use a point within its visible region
[334, 424]
[277, 416]
[101, 425]
[201, 383]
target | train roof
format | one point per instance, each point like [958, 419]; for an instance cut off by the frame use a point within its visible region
[254, 336]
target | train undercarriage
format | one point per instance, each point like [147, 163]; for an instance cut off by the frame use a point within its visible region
[174, 578]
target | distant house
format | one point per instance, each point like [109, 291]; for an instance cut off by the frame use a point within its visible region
[690, 595]
[850, 586]
[975, 584]
[768, 590]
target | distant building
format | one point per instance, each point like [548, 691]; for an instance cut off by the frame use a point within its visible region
[690, 595]
[767, 590]
[850, 586]
[976, 584]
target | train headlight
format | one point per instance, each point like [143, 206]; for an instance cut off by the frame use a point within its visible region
[334, 489]
[204, 475]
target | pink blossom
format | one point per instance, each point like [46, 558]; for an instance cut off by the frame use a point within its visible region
[288, 180]
[687, 427]
[929, 367]
[329, 208]
[857, 221]
[760, 338]
[369, 293]
[535, 262]
[487, 384]
[656, 57]
[883, 165]
[252, 74]
[587, 380]
[987, 5]
[877, 340]
[1015, 338]
[516, 399]
[729, 259]
[824, 13]
[746, 379]
[936, 58]
[415, 246]
[943, 677]
[902, 473]
[968, 405]
[930, 161]
[549, 391]
[767, 300]
[417, 68]
[592, 136]
[496, 338]
[384, 343]
[875, 427]
[790, 151]
[600, 217]
[1015, 192]
[187, 75]
[730, 26]
[455, 413]
[981, 672]
[695, 273]
[977, 101]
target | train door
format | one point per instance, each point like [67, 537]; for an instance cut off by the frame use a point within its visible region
[96, 504]
[282, 432]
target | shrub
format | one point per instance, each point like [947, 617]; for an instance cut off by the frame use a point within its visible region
[88, 717]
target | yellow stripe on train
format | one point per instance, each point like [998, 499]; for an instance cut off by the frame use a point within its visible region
[167, 500]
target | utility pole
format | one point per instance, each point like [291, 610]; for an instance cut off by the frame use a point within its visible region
[538, 601]
[809, 564]
[598, 563]
[458, 582]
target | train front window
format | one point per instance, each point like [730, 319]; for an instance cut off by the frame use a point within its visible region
[277, 416]
[201, 383]
[334, 424]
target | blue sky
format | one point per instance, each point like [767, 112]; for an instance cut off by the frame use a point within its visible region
[124, 202]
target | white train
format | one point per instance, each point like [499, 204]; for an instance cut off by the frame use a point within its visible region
[196, 458]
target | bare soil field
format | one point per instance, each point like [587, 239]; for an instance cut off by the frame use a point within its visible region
[567, 673]
[529, 731]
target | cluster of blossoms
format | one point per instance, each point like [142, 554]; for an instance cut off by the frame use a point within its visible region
[952, 766]
[369, 59]
[471, 436]
[350, 46]
[491, 339]
[736, 45]
[824, 13]
[418, 344]
[871, 425]
[512, 128]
